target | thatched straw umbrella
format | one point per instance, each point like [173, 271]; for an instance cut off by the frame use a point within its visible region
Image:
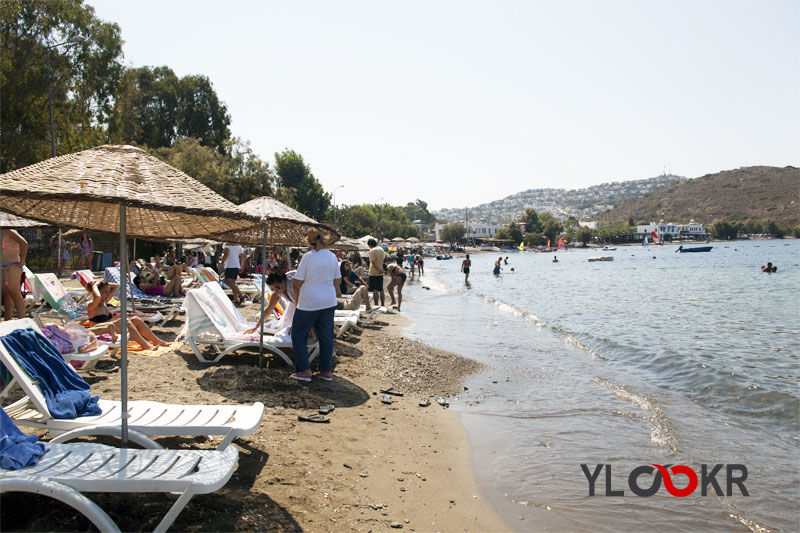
[282, 226]
[120, 189]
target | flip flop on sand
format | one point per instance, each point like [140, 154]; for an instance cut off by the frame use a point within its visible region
[424, 403]
[300, 377]
[326, 408]
[441, 401]
[387, 400]
[392, 391]
[319, 419]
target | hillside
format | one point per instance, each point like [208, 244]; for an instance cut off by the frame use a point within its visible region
[561, 203]
[758, 193]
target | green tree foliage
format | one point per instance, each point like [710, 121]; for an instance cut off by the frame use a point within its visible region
[550, 226]
[356, 220]
[301, 189]
[155, 107]
[531, 220]
[453, 233]
[723, 230]
[584, 235]
[391, 222]
[535, 238]
[512, 232]
[238, 177]
[84, 77]
[419, 211]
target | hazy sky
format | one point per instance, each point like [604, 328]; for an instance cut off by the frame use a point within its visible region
[460, 103]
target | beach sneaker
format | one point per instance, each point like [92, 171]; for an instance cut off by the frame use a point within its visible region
[300, 377]
[323, 378]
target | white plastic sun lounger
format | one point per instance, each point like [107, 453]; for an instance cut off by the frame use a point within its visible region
[145, 417]
[67, 470]
[89, 358]
[212, 320]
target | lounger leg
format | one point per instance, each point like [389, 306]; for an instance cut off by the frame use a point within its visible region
[174, 511]
[134, 436]
[65, 494]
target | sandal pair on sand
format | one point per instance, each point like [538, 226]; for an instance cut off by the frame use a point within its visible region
[324, 409]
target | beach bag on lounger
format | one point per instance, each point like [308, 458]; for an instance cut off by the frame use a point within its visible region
[82, 339]
[58, 338]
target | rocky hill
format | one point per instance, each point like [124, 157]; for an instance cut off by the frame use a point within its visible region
[750, 193]
[561, 203]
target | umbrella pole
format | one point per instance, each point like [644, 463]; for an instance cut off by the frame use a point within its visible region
[58, 268]
[133, 300]
[263, 292]
[2, 281]
[123, 319]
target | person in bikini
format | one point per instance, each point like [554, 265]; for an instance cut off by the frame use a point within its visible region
[87, 250]
[100, 315]
[150, 284]
[397, 277]
[15, 250]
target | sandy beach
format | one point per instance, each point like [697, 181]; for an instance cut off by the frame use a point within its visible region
[374, 467]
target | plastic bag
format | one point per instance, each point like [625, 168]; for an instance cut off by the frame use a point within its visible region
[82, 339]
[58, 338]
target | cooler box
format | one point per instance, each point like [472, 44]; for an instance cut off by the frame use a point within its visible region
[106, 261]
[97, 260]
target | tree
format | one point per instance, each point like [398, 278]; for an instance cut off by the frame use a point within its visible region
[452, 233]
[512, 232]
[419, 211]
[302, 189]
[356, 220]
[202, 163]
[584, 235]
[155, 107]
[531, 220]
[249, 176]
[550, 226]
[722, 230]
[84, 77]
[535, 238]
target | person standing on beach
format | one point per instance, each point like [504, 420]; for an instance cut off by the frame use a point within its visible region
[465, 264]
[316, 288]
[232, 259]
[375, 283]
[15, 251]
[497, 267]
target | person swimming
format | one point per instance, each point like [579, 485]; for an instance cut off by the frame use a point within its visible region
[769, 268]
[555, 259]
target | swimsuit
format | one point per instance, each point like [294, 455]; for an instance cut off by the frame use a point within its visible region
[496, 271]
[466, 270]
[99, 319]
[158, 290]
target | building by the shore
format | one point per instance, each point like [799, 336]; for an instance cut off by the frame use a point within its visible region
[691, 231]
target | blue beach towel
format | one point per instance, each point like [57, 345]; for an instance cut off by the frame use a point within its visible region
[17, 450]
[66, 393]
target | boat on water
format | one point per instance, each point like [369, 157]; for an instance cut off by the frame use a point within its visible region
[601, 258]
[607, 249]
[443, 257]
[683, 250]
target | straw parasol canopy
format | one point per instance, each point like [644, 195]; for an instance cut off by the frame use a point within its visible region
[398, 239]
[413, 239]
[120, 189]
[285, 226]
[9, 221]
[348, 245]
[85, 189]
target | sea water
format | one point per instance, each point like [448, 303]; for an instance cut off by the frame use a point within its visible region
[656, 357]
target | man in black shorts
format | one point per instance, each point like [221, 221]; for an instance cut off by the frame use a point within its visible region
[375, 283]
[465, 264]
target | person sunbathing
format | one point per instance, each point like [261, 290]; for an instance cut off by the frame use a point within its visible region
[99, 314]
[150, 284]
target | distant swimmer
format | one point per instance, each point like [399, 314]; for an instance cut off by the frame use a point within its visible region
[555, 259]
[512, 270]
[497, 266]
[769, 268]
[505, 261]
[465, 264]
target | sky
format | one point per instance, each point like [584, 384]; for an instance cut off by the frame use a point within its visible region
[459, 103]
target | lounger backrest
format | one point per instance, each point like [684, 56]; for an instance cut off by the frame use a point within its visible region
[209, 309]
[24, 379]
[84, 276]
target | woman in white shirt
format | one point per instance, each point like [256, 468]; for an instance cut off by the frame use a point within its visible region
[316, 287]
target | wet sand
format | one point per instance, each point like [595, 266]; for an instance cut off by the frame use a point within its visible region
[374, 467]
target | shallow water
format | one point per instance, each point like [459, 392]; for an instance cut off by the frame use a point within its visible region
[655, 357]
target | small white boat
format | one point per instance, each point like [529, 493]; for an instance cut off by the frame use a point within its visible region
[601, 258]
[607, 249]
